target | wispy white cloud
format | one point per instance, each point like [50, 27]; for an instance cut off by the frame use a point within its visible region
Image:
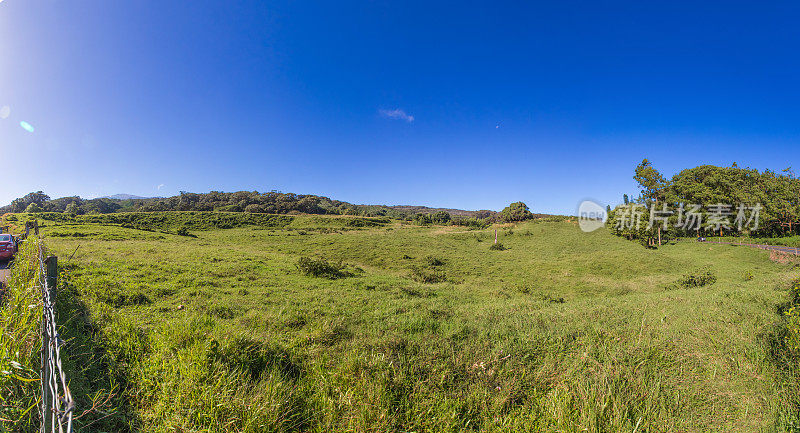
[160, 186]
[397, 114]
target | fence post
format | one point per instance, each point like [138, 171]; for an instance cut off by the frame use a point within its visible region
[52, 277]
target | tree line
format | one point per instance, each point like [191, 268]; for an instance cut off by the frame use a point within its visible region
[776, 194]
[272, 202]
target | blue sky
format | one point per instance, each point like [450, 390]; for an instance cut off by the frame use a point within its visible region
[463, 104]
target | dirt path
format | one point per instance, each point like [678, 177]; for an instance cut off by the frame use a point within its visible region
[788, 250]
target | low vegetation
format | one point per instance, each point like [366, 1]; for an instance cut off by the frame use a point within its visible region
[322, 268]
[20, 314]
[226, 332]
[497, 247]
[698, 278]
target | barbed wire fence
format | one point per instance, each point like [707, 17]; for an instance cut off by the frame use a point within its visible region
[57, 406]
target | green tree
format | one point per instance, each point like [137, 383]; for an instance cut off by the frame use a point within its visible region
[440, 217]
[516, 212]
[651, 182]
[653, 187]
[22, 203]
[72, 208]
[33, 208]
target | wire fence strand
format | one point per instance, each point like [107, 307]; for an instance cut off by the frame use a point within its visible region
[57, 405]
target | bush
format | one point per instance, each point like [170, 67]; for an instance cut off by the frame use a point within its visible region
[72, 209]
[33, 208]
[321, 268]
[253, 208]
[792, 316]
[170, 222]
[516, 212]
[699, 278]
[434, 261]
[427, 276]
[472, 223]
[441, 217]
[498, 247]
[423, 219]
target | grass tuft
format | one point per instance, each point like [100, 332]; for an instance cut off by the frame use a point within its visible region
[321, 268]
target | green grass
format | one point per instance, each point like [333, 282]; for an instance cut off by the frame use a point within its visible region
[20, 343]
[786, 241]
[562, 331]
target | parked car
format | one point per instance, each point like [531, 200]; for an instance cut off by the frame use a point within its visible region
[8, 246]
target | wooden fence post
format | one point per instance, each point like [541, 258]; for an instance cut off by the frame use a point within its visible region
[52, 277]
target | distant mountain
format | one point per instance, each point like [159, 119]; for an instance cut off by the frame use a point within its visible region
[126, 197]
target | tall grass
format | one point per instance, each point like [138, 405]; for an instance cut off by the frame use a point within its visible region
[20, 342]
[564, 331]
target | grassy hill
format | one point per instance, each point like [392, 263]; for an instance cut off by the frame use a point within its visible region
[562, 331]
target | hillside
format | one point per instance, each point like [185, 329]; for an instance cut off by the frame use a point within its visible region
[241, 201]
[409, 328]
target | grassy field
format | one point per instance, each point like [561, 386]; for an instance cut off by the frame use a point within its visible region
[418, 329]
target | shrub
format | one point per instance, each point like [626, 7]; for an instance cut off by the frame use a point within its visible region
[553, 299]
[434, 261]
[440, 217]
[516, 212]
[699, 278]
[170, 222]
[427, 276]
[472, 223]
[321, 268]
[793, 325]
[497, 247]
[423, 219]
[33, 208]
[72, 208]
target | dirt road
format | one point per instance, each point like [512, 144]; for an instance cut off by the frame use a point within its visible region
[787, 250]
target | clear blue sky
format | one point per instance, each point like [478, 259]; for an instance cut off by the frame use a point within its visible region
[544, 102]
